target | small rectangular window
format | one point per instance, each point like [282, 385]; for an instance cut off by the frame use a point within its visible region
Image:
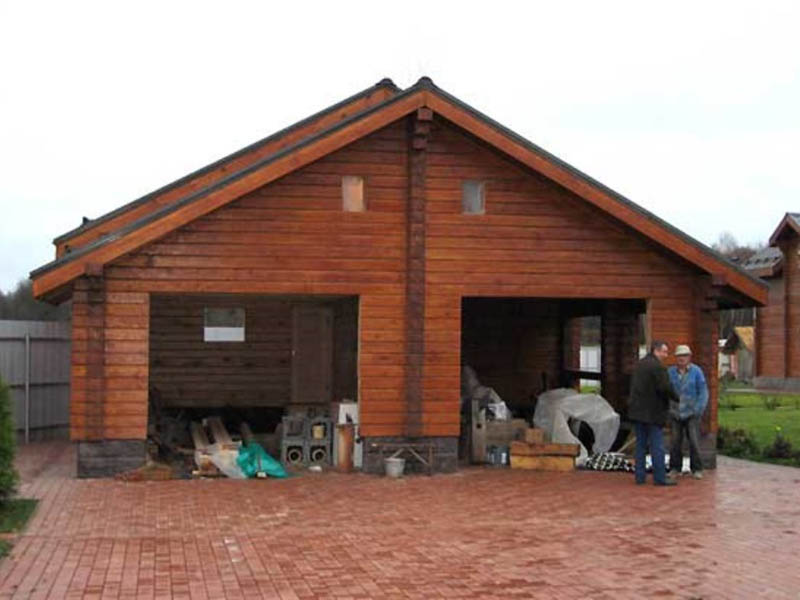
[473, 197]
[223, 325]
[353, 193]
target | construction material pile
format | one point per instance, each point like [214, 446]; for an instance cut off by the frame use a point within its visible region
[537, 454]
[557, 409]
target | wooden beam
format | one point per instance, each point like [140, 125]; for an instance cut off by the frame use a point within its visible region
[419, 130]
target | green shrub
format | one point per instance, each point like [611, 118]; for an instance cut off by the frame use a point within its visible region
[780, 447]
[8, 474]
[771, 403]
[737, 442]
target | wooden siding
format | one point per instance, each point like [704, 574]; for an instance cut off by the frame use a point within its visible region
[187, 371]
[770, 336]
[536, 240]
[510, 343]
[292, 237]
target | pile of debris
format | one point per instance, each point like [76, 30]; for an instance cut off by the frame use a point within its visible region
[224, 456]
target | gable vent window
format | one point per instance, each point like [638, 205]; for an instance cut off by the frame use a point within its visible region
[473, 197]
[223, 325]
[353, 193]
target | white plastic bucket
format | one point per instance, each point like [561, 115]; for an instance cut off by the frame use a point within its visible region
[394, 466]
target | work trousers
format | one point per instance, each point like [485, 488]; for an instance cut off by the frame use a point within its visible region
[690, 429]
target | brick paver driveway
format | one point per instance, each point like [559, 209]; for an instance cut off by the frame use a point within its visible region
[481, 533]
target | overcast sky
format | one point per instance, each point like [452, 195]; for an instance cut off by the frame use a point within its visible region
[690, 109]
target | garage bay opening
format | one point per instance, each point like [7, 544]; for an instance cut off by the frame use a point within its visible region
[245, 367]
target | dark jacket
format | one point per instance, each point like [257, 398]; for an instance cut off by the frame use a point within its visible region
[651, 392]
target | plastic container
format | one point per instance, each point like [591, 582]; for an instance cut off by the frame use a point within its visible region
[394, 466]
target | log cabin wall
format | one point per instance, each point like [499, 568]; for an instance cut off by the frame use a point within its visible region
[186, 371]
[535, 239]
[511, 344]
[290, 237]
[791, 278]
[770, 355]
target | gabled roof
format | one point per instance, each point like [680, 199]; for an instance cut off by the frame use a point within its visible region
[292, 156]
[767, 262]
[789, 225]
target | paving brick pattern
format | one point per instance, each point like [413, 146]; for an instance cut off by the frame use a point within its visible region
[480, 533]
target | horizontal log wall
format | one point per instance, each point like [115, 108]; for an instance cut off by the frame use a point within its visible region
[187, 371]
[536, 239]
[292, 237]
[770, 353]
[511, 343]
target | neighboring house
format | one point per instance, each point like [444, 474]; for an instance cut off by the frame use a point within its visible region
[777, 346]
[738, 351]
[368, 252]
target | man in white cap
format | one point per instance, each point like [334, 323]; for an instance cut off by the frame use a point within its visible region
[690, 385]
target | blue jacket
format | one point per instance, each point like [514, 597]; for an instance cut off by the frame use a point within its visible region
[692, 390]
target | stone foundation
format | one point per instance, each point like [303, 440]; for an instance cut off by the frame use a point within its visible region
[106, 458]
[445, 455]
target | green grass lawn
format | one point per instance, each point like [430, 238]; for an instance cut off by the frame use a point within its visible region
[751, 415]
[14, 514]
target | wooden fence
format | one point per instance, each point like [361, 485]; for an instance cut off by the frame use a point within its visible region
[35, 363]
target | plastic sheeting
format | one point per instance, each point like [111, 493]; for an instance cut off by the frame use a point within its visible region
[555, 407]
[471, 389]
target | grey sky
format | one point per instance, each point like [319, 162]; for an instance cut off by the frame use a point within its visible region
[688, 108]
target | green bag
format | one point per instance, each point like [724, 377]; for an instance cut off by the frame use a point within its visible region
[253, 459]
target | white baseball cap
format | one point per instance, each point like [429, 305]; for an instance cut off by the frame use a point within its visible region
[683, 350]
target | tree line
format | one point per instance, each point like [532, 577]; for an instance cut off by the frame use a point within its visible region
[20, 305]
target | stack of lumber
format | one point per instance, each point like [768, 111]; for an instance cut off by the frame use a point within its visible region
[536, 454]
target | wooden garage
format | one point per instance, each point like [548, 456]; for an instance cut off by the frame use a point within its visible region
[435, 234]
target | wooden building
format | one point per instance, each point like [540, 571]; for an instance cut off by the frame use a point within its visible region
[777, 349]
[368, 252]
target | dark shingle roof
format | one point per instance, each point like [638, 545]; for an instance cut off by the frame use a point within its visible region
[765, 263]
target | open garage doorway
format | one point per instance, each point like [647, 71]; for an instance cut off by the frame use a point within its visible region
[522, 347]
[248, 359]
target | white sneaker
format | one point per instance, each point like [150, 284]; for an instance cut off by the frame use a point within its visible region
[697, 474]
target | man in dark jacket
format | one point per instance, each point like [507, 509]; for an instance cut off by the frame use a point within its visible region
[648, 408]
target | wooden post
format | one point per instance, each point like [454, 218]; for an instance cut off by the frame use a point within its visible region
[619, 351]
[706, 347]
[94, 286]
[420, 125]
[27, 388]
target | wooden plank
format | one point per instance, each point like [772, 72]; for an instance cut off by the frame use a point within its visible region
[534, 435]
[218, 431]
[542, 449]
[543, 463]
